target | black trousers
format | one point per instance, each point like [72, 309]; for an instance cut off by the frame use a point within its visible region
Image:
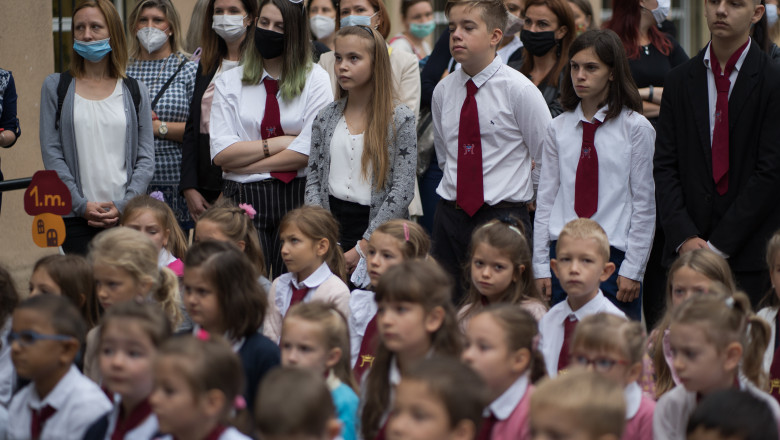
[353, 221]
[78, 234]
[272, 199]
[452, 229]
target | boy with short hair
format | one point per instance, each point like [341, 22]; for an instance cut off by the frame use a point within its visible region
[732, 414]
[60, 403]
[581, 264]
[579, 405]
[489, 123]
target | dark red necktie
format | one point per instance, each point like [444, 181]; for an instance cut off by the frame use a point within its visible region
[470, 194]
[586, 183]
[486, 429]
[774, 369]
[39, 418]
[368, 348]
[298, 294]
[136, 417]
[569, 324]
[271, 125]
[720, 133]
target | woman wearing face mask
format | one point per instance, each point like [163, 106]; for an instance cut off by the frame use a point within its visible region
[99, 140]
[223, 40]
[547, 33]
[418, 24]
[261, 120]
[156, 60]
[322, 21]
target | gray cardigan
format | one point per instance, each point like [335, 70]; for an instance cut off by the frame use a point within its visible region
[387, 203]
[58, 147]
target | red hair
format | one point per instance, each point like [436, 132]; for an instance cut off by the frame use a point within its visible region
[626, 15]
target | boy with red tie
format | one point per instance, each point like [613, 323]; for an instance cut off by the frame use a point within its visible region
[717, 158]
[489, 121]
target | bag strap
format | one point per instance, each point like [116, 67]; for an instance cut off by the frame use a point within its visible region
[62, 89]
[135, 93]
[167, 84]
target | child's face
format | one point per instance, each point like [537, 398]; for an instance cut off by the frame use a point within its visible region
[146, 222]
[488, 353]
[383, 253]
[208, 230]
[405, 328]
[173, 401]
[553, 424]
[731, 19]
[581, 268]
[301, 254]
[491, 271]
[115, 285]
[686, 283]
[126, 356]
[774, 273]
[609, 363]
[303, 346]
[201, 301]
[42, 358]
[417, 414]
[41, 282]
[699, 365]
[471, 42]
[353, 63]
[590, 76]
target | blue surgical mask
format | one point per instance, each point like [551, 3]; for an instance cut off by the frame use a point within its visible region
[357, 20]
[771, 14]
[422, 30]
[93, 51]
[662, 11]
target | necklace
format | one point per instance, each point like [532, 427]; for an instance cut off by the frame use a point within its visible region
[161, 69]
[647, 49]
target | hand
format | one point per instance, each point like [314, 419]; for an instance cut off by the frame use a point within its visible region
[196, 203]
[628, 289]
[692, 244]
[544, 285]
[105, 215]
[154, 116]
[352, 258]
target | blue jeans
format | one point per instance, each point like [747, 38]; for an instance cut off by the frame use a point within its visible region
[633, 309]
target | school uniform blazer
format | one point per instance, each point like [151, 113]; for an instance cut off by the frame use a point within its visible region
[259, 355]
[739, 222]
[387, 203]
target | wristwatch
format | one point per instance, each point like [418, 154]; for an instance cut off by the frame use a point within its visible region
[163, 130]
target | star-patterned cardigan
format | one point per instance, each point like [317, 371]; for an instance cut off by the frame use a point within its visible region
[387, 203]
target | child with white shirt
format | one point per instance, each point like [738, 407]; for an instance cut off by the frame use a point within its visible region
[310, 250]
[501, 348]
[582, 263]
[489, 122]
[59, 403]
[598, 164]
[613, 347]
[223, 298]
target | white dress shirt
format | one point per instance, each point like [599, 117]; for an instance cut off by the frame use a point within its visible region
[506, 403]
[513, 118]
[551, 326]
[346, 153]
[78, 401]
[769, 314]
[238, 110]
[144, 431]
[633, 395]
[626, 191]
[362, 308]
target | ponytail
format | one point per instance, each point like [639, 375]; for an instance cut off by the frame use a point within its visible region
[167, 295]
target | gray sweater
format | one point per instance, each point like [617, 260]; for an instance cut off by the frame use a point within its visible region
[387, 203]
[58, 147]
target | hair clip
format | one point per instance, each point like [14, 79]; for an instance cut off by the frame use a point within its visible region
[239, 403]
[248, 210]
[157, 195]
[406, 232]
[202, 335]
[730, 302]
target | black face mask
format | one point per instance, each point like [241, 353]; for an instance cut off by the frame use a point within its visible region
[270, 44]
[538, 43]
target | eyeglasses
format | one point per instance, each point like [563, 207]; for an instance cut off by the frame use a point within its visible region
[29, 337]
[600, 364]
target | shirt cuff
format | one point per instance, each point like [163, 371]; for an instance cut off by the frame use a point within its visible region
[716, 250]
[542, 271]
[677, 249]
[631, 272]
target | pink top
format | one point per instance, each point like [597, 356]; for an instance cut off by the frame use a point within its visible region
[511, 411]
[177, 267]
[640, 427]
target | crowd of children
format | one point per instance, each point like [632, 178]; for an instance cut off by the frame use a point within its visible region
[499, 326]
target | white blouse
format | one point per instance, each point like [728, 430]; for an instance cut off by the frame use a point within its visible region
[346, 152]
[100, 127]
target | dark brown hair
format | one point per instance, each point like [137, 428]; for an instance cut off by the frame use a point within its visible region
[117, 64]
[242, 301]
[317, 223]
[236, 224]
[492, 12]
[177, 243]
[565, 18]
[9, 297]
[293, 401]
[521, 332]
[73, 275]
[213, 47]
[60, 312]
[406, 4]
[421, 282]
[622, 90]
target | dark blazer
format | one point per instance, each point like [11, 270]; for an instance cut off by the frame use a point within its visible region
[739, 222]
[259, 355]
[197, 171]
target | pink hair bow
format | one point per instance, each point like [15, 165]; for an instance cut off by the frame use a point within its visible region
[248, 209]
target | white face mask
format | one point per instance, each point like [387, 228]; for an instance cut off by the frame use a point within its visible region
[771, 14]
[513, 24]
[229, 27]
[322, 26]
[151, 38]
[662, 11]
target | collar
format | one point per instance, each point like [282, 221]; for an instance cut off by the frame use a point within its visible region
[507, 402]
[601, 114]
[137, 416]
[740, 60]
[591, 307]
[165, 258]
[633, 395]
[236, 344]
[332, 381]
[57, 396]
[266, 75]
[395, 372]
[482, 77]
[315, 279]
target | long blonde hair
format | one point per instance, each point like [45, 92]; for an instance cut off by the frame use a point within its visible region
[376, 158]
[171, 15]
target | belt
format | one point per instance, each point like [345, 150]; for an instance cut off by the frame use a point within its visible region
[499, 205]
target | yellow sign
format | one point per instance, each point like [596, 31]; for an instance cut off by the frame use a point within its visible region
[48, 230]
